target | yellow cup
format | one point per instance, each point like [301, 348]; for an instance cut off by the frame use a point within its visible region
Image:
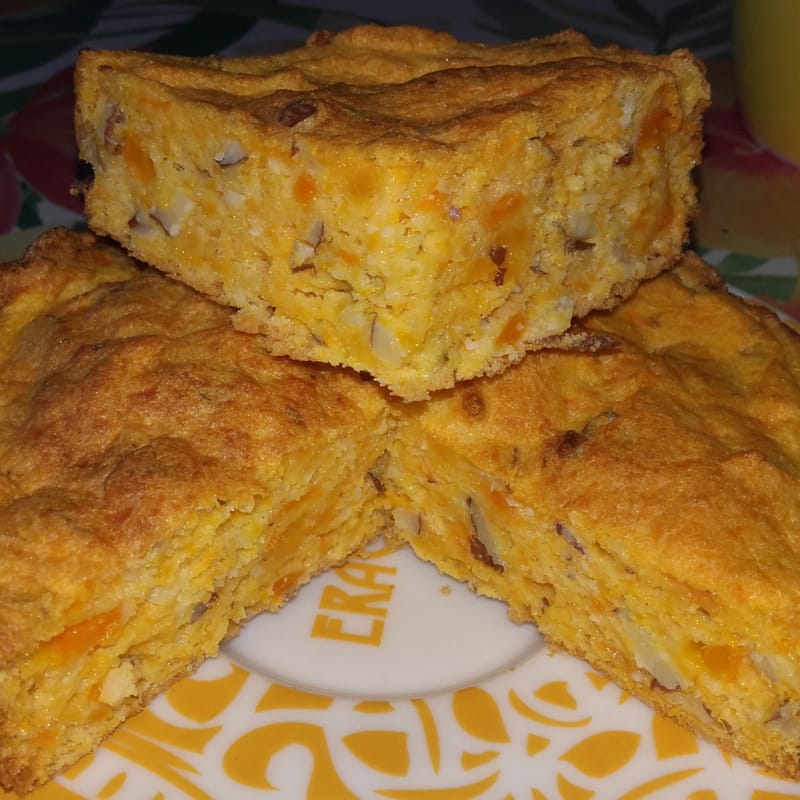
[766, 50]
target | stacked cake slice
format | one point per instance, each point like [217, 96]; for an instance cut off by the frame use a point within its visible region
[394, 200]
[575, 417]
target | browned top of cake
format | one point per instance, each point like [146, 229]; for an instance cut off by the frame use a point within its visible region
[401, 81]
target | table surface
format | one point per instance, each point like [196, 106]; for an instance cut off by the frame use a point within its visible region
[746, 226]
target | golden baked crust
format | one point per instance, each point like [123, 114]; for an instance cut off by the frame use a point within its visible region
[163, 479]
[639, 501]
[393, 199]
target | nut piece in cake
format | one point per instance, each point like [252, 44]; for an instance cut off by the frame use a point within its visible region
[395, 200]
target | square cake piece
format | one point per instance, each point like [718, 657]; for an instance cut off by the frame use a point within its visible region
[163, 479]
[395, 200]
[639, 499]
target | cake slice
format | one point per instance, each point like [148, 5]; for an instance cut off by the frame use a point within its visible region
[639, 499]
[395, 200]
[163, 479]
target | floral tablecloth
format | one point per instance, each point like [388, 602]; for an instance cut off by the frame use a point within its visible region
[577, 736]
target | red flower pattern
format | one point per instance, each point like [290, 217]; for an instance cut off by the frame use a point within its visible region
[40, 148]
[729, 145]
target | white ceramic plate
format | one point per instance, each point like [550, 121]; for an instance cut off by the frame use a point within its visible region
[383, 679]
